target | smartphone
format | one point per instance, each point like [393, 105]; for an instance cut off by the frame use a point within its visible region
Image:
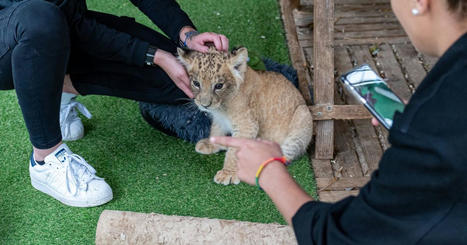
[373, 92]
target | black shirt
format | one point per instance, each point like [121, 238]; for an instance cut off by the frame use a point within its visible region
[419, 193]
[106, 43]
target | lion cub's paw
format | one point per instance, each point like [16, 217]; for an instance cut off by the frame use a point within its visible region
[226, 177]
[205, 147]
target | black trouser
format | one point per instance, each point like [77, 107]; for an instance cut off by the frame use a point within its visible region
[35, 49]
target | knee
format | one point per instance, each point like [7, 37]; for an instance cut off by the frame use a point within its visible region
[41, 20]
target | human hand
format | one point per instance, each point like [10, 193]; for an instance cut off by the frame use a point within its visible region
[374, 121]
[174, 69]
[250, 155]
[200, 41]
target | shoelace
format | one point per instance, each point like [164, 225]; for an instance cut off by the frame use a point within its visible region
[69, 112]
[78, 173]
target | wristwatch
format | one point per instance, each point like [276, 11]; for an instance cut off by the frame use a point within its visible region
[149, 60]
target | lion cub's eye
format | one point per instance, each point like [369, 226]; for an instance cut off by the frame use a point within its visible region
[219, 86]
[196, 84]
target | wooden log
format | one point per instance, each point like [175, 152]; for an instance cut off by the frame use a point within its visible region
[323, 80]
[120, 227]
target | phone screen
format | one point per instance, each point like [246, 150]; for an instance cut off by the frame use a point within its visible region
[374, 93]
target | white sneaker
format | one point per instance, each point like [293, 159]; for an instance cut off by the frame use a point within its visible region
[70, 123]
[68, 178]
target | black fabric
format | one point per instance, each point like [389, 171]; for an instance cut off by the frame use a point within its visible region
[91, 75]
[419, 193]
[106, 58]
[34, 64]
[106, 43]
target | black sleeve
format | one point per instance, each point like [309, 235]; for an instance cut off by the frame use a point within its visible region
[109, 44]
[166, 14]
[416, 186]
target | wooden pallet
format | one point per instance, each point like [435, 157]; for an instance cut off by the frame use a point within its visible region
[326, 38]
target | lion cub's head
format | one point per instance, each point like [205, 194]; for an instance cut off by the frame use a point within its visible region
[215, 76]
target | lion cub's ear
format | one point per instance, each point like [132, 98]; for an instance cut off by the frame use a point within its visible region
[238, 62]
[184, 58]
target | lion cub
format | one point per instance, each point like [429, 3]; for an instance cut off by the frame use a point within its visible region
[246, 103]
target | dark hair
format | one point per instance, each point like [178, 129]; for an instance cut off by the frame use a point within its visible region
[459, 7]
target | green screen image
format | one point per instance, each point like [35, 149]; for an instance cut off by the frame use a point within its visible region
[375, 93]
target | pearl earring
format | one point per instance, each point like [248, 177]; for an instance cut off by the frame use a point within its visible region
[415, 12]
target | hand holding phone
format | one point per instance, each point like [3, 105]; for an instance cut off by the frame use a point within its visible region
[373, 92]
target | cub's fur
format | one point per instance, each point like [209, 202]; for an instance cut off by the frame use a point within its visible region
[246, 103]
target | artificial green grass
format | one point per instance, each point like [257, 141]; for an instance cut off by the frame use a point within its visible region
[148, 171]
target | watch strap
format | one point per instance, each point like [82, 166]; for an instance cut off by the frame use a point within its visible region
[149, 59]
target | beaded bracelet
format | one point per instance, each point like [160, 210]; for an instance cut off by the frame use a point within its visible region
[282, 159]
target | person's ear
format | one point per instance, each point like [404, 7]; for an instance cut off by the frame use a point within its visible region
[421, 7]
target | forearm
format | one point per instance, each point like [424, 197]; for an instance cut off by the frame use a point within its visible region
[286, 194]
[166, 14]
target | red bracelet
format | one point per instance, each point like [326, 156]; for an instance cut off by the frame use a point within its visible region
[282, 159]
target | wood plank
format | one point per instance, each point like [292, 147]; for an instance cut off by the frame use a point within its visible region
[391, 71]
[339, 112]
[324, 74]
[392, 40]
[346, 163]
[348, 155]
[370, 146]
[334, 196]
[372, 41]
[332, 184]
[371, 11]
[383, 134]
[365, 20]
[411, 64]
[322, 168]
[367, 137]
[368, 27]
[304, 33]
[296, 53]
[429, 61]
[310, 2]
[369, 34]
[303, 16]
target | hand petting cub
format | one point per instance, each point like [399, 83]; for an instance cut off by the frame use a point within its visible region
[246, 103]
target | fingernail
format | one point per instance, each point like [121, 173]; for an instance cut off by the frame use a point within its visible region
[212, 139]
